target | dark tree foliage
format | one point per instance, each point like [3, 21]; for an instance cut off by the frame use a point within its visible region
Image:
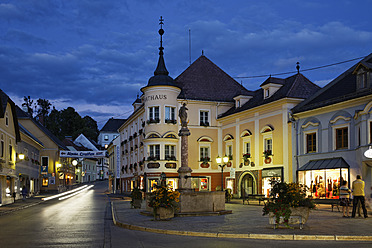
[68, 122]
[43, 110]
[28, 103]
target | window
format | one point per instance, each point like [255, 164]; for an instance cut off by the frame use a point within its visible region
[10, 153]
[204, 119]
[310, 142]
[267, 93]
[153, 115]
[342, 138]
[229, 150]
[154, 151]
[204, 153]
[6, 119]
[247, 147]
[268, 145]
[170, 152]
[170, 114]
[106, 137]
[363, 78]
[2, 149]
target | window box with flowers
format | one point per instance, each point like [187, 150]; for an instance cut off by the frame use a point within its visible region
[151, 121]
[288, 200]
[205, 162]
[170, 157]
[246, 157]
[171, 121]
[267, 154]
[152, 158]
[163, 200]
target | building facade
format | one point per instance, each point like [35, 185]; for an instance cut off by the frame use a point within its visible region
[332, 130]
[9, 139]
[251, 127]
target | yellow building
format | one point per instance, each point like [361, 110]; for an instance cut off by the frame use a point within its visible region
[224, 118]
[57, 174]
[9, 138]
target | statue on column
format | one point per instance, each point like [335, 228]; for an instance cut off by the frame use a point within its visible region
[182, 113]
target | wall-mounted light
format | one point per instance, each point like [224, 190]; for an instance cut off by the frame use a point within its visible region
[368, 153]
[21, 156]
[74, 162]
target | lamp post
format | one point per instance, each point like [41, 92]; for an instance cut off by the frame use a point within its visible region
[225, 159]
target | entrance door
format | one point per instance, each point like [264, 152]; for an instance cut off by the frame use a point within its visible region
[248, 185]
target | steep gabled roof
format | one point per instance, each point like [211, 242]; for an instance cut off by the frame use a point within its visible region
[22, 115]
[341, 89]
[112, 125]
[296, 86]
[203, 80]
[5, 99]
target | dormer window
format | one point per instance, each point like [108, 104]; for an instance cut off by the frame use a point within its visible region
[271, 85]
[267, 93]
[241, 100]
[363, 78]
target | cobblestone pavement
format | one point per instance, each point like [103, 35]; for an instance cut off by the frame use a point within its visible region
[248, 219]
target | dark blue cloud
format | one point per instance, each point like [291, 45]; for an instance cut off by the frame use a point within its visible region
[95, 55]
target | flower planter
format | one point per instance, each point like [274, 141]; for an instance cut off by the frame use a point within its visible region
[246, 162]
[228, 164]
[164, 213]
[204, 165]
[267, 160]
[299, 216]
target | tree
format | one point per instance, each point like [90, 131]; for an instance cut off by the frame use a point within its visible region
[53, 123]
[43, 111]
[28, 104]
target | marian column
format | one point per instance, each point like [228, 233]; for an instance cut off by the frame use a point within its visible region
[184, 171]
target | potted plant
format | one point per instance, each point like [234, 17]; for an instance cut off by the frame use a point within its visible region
[286, 200]
[267, 154]
[136, 196]
[205, 162]
[163, 201]
[246, 157]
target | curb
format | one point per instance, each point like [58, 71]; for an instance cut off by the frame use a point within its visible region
[239, 236]
[19, 208]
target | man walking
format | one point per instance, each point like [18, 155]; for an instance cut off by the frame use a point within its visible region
[358, 193]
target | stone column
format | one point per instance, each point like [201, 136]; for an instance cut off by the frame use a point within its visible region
[184, 171]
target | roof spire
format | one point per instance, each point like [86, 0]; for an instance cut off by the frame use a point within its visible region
[161, 32]
[298, 67]
[161, 69]
[161, 74]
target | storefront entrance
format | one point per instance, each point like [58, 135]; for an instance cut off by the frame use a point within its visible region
[323, 177]
[248, 185]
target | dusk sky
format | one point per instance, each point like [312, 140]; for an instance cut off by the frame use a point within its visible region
[96, 55]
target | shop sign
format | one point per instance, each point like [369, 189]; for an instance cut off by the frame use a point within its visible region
[52, 180]
[272, 173]
[61, 175]
[82, 154]
[44, 169]
[232, 172]
[117, 162]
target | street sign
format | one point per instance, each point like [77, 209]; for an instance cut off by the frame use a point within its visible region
[82, 154]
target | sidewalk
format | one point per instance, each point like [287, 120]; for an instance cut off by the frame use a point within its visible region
[21, 204]
[247, 221]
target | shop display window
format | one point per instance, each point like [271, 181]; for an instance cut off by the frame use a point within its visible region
[204, 184]
[323, 183]
[152, 184]
[45, 182]
[230, 184]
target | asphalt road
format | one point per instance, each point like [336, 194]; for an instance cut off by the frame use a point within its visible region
[85, 221]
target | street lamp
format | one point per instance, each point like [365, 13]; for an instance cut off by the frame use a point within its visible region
[225, 159]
